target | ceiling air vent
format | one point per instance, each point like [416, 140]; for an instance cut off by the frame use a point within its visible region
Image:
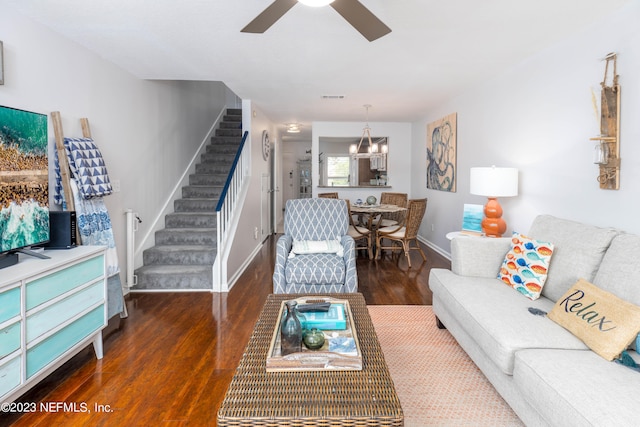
[332, 96]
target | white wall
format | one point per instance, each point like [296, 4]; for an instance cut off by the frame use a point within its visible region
[399, 174]
[245, 244]
[538, 117]
[148, 131]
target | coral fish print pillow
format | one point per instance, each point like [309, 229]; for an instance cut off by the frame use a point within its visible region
[526, 264]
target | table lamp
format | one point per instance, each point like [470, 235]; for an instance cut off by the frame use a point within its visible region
[494, 182]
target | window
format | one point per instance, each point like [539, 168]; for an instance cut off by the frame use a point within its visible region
[338, 170]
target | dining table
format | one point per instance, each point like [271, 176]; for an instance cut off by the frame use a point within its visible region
[367, 213]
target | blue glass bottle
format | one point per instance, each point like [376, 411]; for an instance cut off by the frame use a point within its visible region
[290, 331]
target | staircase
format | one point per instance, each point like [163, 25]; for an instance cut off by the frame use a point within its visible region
[185, 249]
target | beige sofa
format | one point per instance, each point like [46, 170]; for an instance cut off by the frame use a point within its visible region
[546, 374]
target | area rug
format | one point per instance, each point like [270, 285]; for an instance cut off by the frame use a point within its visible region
[436, 382]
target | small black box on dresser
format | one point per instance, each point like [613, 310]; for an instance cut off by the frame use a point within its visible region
[63, 230]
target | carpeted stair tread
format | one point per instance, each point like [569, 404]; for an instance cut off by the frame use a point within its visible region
[182, 220]
[180, 255]
[188, 236]
[196, 206]
[207, 179]
[204, 191]
[174, 277]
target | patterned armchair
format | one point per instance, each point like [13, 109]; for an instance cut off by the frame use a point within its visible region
[315, 220]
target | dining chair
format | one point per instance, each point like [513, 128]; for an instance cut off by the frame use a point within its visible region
[404, 232]
[359, 233]
[388, 219]
[328, 195]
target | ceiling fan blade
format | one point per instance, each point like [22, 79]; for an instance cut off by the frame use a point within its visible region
[361, 19]
[269, 16]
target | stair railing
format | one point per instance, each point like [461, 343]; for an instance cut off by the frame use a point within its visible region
[226, 205]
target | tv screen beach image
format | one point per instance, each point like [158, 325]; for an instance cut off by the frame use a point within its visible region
[24, 179]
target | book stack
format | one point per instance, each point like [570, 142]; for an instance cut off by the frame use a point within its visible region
[334, 319]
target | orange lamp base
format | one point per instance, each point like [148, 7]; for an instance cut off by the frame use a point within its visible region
[493, 225]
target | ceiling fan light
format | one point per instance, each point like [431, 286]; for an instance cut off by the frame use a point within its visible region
[315, 3]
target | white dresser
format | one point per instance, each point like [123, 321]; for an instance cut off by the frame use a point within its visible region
[49, 311]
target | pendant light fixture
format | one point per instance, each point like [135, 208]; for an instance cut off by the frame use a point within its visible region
[373, 149]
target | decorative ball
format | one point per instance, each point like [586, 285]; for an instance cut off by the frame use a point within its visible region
[371, 200]
[314, 339]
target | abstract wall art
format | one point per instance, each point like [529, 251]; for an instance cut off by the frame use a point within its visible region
[441, 154]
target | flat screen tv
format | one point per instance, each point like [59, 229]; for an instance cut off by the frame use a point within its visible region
[24, 182]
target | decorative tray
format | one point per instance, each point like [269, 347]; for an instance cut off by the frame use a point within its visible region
[340, 352]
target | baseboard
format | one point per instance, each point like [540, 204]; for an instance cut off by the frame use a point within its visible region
[243, 267]
[436, 248]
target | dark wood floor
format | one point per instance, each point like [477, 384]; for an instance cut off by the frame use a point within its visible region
[170, 362]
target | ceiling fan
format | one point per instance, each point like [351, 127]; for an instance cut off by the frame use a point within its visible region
[353, 11]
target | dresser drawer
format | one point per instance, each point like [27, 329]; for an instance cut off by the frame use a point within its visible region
[9, 339]
[10, 375]
[58, 313]
[53, 347]
[9, 304]
[53, 285]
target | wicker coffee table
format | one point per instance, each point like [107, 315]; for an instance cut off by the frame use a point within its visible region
[327, 398]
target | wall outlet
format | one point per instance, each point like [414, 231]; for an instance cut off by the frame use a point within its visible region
[433, 227]
[115, 185]
[255, 233]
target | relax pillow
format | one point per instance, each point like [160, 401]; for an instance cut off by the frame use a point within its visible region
[526, 264]
[301, 247]
[604, 322]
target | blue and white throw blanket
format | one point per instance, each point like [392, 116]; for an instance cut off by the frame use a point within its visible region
[94, 225]
[93, 221]
[87, 168]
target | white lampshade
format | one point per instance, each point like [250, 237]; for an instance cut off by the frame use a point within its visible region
[316, 3]
[494, 182]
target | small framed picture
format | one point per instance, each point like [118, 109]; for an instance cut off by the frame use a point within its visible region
[1, 65]
[472, 219]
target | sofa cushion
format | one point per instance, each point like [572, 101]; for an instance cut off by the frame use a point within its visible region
[606, 323]
[578, 388]
[526, 264]
[478, 256]
[315, 269]
[619, 267]
[579, 249]
[498, 318]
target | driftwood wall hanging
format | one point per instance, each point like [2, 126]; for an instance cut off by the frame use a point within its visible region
[607, 144]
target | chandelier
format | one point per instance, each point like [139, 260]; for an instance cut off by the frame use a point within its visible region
[378, 149]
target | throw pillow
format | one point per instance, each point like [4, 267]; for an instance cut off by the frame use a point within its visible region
[604, 322]
[526, 264]
[301, 247]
